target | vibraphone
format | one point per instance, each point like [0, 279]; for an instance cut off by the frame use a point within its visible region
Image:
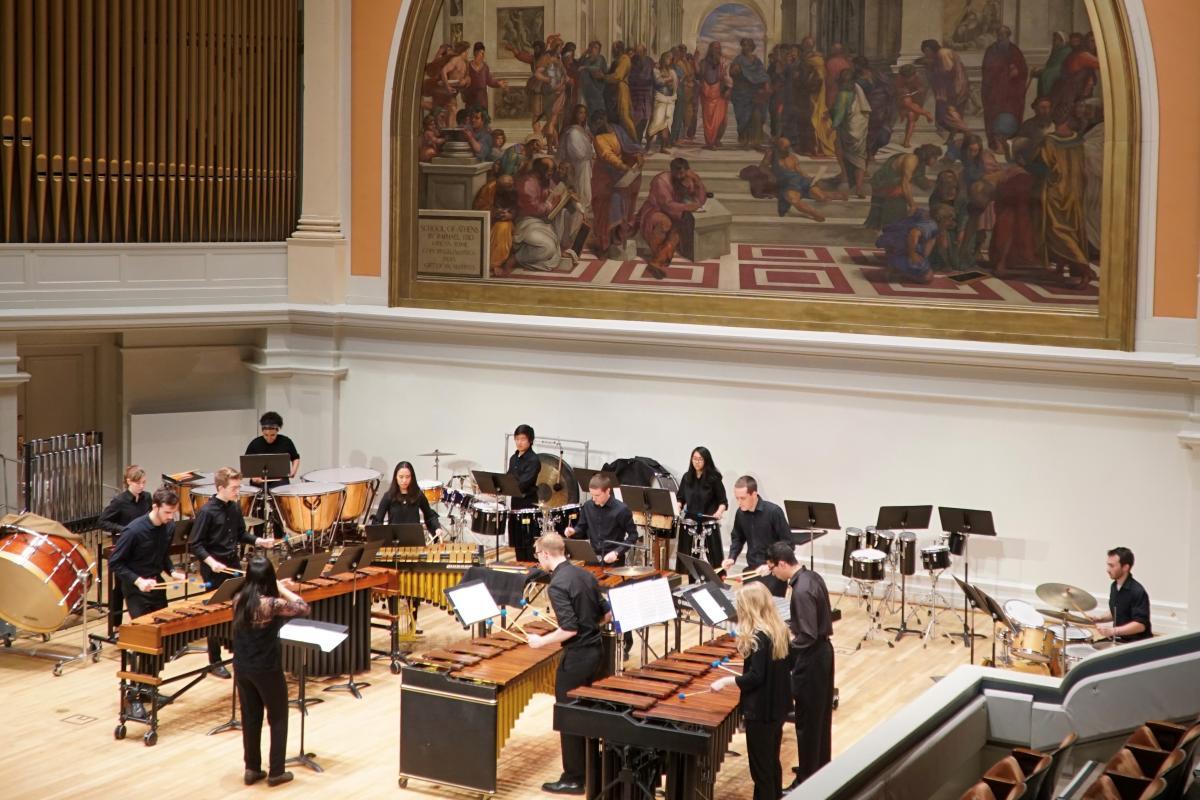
[475, 690]
[661, 719]
[148, 642]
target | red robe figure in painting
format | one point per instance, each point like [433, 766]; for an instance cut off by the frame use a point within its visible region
[713, 83]
[1004, 76]
[665, 219]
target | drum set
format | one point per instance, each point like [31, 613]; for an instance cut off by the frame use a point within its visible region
[1049, 641]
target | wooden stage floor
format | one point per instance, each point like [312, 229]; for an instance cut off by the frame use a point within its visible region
[59, 730]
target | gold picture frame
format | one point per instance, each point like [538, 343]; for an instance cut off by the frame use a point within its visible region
[1108, 326]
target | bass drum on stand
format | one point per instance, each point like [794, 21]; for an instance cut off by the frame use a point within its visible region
[45, 572]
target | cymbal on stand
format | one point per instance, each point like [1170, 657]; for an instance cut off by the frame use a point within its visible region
[1066, 597]
[435, 454]
[253, 521]
[1072, 619]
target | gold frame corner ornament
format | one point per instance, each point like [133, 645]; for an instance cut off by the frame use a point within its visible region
[1110, 326]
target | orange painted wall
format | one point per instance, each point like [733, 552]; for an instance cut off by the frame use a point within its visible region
[1172, 30]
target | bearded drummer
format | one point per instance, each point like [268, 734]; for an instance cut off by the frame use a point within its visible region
[1128, 616]
[217, 529]
[524, 465]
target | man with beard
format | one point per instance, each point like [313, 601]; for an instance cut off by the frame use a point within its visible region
[617, 100]
[951, 89]
[1032, 131]
[665, 219]
[749, 82]
[641, 89]
[590, 74]
[793, 187]
[714, 88]
[611, 207]
[540, 228]
[533, 87]
[1004, 74]
[825, 137]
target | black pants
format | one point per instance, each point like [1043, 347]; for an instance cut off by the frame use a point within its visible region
[578, 667]
[256, 691]
[139, 603]
[116, 599]
[215, 579]
[521, 536]
[812, 687]
[763, 740]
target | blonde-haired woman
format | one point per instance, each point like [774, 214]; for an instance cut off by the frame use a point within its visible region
[762, 640]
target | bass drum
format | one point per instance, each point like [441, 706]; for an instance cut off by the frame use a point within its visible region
[643, 471]
[45, 572]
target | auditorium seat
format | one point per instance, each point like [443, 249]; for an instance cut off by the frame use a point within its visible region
[1058, 757]
[1035, 766]
[1003, 776]
[1106, 788]
[983, 791]
[1144, 762]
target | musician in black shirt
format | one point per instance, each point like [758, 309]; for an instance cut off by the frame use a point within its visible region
[580, 611]
[811, 624]
[272, 441]
[1128, 615]
[757, 525]
[605, 521]
[702, 499]
[404, 502]
[123, 509]
[139, 559]
[217, 530]
[524, 465]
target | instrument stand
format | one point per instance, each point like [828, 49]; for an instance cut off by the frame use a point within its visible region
[633, 762]
[873, 626]
[351, 685]
[302, 758]
[967, 523]
[503, 485]
[905, 611]
[937, 602]
[234, 724]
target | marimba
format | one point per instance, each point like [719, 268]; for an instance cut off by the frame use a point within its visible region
[424, 573]
[148, 642]
[458, 705]
[661, 719]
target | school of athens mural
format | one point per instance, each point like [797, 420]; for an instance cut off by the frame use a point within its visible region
[935, 151]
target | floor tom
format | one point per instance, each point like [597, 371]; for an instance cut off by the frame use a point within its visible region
[935, 557]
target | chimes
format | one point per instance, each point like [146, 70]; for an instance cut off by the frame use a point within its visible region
[169, 121]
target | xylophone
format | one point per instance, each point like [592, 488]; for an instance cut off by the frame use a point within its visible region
[475, 690]
[148, 642]
[661, 719]
[424, 573]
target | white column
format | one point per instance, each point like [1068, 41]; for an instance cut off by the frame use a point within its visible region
[11, 380]
[920, 20]
[317, 268]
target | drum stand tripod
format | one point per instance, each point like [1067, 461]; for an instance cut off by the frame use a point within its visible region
[906, 610]
[874, 628]
[938, 604]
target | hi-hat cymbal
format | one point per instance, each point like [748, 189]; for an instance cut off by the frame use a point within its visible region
[1065, 596]
[435, 453]
[1072, 619]
[253, 521]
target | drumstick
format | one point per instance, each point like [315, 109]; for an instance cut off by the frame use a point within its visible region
[546, 616]
[169, 584]
[513, 634]
[753, 573]
[719, 665]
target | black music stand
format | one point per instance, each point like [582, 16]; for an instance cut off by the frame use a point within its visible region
[500, 484]
[810, 521]
[718, 611]
[987, 605]
[650, 502]
[349, 561]
[309, 635]
[271, 468]
[583, 476]
[967, 523]
[582, 550]
[224, 592]
[903, 518]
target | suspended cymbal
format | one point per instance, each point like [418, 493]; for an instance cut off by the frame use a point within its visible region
[1072, 619]
[556, 483]
[1065, 596]
[630, 572]
[253, 522]
[435, 453]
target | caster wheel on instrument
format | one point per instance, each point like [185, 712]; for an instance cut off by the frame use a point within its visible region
[57, 670]
[119, 732]
[403, 783]
[150, 739]
[396, 665]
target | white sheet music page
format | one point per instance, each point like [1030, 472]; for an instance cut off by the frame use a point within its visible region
[636, 605]
[473, 602]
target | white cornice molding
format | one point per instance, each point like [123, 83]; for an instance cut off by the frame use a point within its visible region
[288, 370]
[14, 379]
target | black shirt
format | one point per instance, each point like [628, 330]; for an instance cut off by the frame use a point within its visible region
[765, 683]
[398, 509]
[701, 496]
[525, 468]
[577, 603]
[602, 525]
[757, 530]
[122, 510]
[143, 551]
[811, 620]
[216, 530]
[282, 444]
[1128, 604]
[256, 647]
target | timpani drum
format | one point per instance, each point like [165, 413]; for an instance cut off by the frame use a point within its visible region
[361, 485]
[187, 506]
[203, 492]
[43, 578]
[308, 506]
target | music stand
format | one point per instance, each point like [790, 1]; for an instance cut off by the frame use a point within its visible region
[309, 635]
[472, 603]
[271, 468]
[967, 523]
[583, 476]
[500, 484]
[711, 603]
[650, 503]
[349, 561]
[903, 518]
[582, 550]
[314, 565]
[814, 519]
[224, 592]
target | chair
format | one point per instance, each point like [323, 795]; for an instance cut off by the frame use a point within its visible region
[1143, 736]
[1143, 762]
[1003, 776]
[1058, 756]
[1106, 788]
[1175, 772]
[983, 791]
[1034, 766]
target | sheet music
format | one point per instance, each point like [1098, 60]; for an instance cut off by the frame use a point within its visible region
[473, 602]
[643, 603]
[322, 634]
[708, 604]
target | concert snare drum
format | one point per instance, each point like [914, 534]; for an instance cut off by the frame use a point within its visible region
[908, 553]
[43, 578]
[361, 485]
[854, 541]
[565, 516]
[867, 564]
[432, 491]
[488, 518]
[935, 557]
[307, 506]
[202, 493]
[1023, 614]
